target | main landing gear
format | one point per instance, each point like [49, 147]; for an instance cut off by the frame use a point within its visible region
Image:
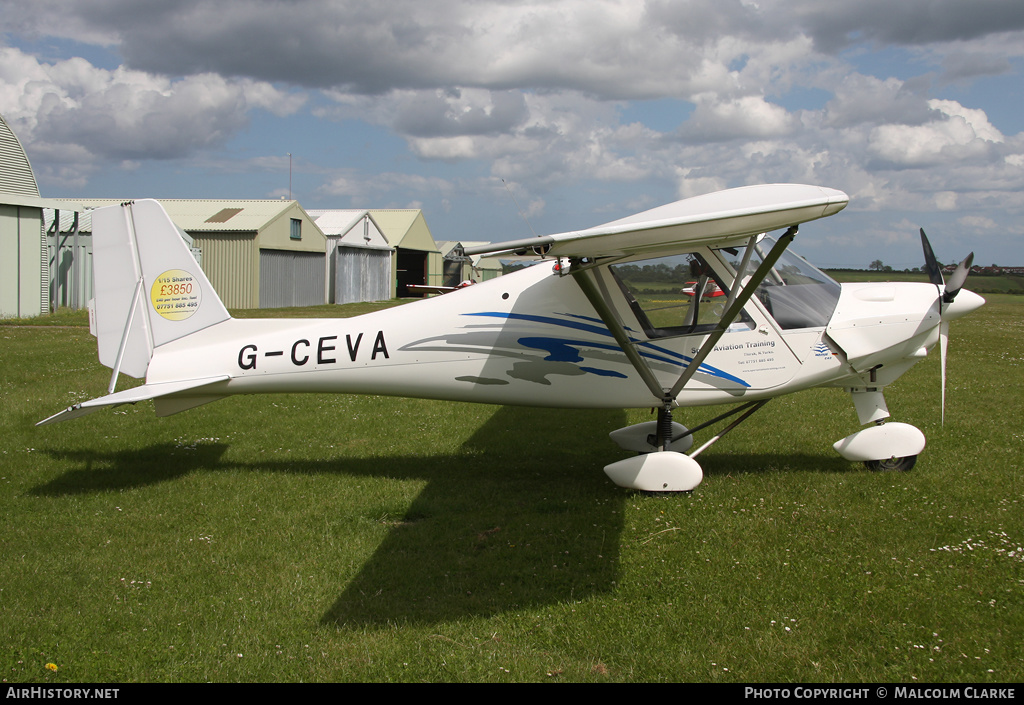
[663, 464]
[666, 464]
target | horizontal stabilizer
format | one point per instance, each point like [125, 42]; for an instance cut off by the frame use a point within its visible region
[133, 395]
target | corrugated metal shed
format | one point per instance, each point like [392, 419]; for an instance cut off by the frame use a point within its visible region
[234, 235]
[358, 256]
[355, 228]
[23, 282]
[16, 175]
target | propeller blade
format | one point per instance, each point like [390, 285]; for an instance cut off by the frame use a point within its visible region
[943, 347]
[931, 264]
[957, 279]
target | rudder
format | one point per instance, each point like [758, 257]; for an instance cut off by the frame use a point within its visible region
[149, 289]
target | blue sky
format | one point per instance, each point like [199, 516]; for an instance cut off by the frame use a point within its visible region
[585, 110]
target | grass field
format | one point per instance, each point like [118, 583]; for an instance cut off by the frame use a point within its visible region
[343, 538]
[980, 284]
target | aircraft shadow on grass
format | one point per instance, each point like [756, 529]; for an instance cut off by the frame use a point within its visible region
[549, 531]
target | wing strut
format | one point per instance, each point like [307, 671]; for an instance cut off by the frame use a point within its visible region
[585, 279]
[666, 396]
[733, 310]
[742, 271]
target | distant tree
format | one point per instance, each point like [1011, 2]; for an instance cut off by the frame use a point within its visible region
[876, 265]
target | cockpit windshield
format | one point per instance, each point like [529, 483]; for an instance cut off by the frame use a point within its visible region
[796, 293]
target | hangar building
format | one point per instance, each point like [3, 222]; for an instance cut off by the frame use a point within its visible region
[417, 259]
[24, 263]
[256, 253]
[358, 256]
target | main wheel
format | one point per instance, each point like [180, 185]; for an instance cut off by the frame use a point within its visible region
[892, 464]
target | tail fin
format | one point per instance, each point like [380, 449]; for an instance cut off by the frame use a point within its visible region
[149, 290]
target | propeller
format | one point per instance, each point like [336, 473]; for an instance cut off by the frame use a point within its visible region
[949, 291]
[957, 279]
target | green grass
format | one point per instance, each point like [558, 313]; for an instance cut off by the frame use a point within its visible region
[61, 317]
[344, 538]
[980, 284]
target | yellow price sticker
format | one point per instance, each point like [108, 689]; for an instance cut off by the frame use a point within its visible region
[176, 295]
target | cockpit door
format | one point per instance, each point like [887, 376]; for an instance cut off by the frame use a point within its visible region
[672, 304]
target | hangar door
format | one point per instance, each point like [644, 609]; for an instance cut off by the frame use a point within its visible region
[291, 278]
[412, 269]
[361, 274]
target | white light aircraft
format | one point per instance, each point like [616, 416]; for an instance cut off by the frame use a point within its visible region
[600, 322]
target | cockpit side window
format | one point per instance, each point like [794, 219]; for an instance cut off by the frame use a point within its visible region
[675, 296]
[795, 293]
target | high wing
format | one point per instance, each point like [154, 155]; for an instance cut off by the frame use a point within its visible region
[732, 217]
[718, 219]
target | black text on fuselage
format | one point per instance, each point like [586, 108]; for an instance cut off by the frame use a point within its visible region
[324, 350]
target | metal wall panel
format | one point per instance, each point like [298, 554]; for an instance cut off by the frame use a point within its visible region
[308, 277]
[361, 275]
[229, 262]
[69, 257]
[21, 256]
[291, 278]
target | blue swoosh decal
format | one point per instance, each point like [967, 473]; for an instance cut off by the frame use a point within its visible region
[557, 347]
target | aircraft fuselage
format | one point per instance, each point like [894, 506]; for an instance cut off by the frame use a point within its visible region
[532, 338]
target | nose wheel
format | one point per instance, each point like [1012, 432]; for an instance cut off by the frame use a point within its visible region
[890, 447]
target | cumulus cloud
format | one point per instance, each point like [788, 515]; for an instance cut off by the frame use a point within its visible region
[88, 113]
[459, 112]
[837, 25]
[868, 100]
[748, 117]
[611, 48]
[958, 135]
[542, 93]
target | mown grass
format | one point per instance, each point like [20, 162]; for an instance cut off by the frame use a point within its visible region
[344, 538]
[979, 283]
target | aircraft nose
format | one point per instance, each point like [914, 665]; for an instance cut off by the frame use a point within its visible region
[965, 302]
